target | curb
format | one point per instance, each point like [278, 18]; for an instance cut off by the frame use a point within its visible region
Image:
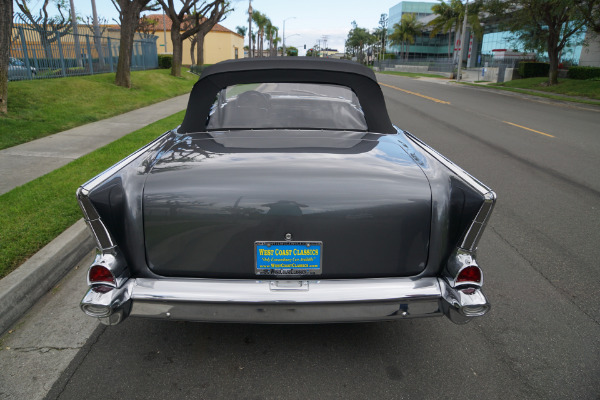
[23, 287]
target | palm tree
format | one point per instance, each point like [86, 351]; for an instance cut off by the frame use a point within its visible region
[411, 27]
[260, 20]
[241, 30]
[451, 16]
[444, 22]
[396, 38]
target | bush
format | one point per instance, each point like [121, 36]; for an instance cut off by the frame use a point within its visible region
[584, 73]
[165, 61]
[532, 69]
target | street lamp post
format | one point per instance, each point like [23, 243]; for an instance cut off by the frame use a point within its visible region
[250, 29]
[462, 42]
[283, 44]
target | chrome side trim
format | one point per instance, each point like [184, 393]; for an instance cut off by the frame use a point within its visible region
[464, 175]
[256, 301]
[101, 177]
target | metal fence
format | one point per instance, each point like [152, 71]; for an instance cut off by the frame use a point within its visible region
[39, 55]
[418, 65]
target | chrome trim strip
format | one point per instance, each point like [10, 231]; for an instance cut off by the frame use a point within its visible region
[259, 291]
[101, 177]
[468, 178]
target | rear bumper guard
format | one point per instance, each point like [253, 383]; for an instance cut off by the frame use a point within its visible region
[284, 301]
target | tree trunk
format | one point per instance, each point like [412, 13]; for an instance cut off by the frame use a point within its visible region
[192, 48]
[200, 35]
[177, 51]
[6, 14]
[130, 13]
[553, 58]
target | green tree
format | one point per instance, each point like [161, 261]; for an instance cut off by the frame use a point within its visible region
[291, 51]
[450, 17]
[241, 30]
[261, 21]
[445, 22]
[405, 32]
[357, 40]
[590, 10]
[548, 25]
[129, 16]
[186, 23]
[49, 28]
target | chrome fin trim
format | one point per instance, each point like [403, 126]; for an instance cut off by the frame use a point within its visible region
[104, 240]
[473, 234]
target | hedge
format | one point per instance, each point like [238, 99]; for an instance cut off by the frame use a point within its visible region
[165, 61]
[583, 73]
[533, 69]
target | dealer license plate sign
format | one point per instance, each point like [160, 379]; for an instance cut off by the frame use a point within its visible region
[288, 258]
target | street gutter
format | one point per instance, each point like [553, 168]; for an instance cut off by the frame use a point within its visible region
[23, 287]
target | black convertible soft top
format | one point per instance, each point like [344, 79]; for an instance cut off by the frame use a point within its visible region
[360, 79]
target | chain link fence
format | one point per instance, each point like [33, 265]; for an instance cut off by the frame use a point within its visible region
[36, 54]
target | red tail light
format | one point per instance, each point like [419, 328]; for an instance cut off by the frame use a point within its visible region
[469, 274]
[101, 274]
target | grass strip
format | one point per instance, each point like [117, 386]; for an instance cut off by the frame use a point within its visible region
[538, 94]
[41, 107]
[34, 214]
[412, 74]
[565, 86]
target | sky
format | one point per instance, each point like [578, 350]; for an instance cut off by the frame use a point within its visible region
[306, 21]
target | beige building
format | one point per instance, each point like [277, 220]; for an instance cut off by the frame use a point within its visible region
[219, 44]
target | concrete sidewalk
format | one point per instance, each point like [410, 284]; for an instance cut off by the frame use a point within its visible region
[22, 288]
[25, 162]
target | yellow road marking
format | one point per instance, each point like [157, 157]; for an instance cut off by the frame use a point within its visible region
[529, 129]
[416, 94]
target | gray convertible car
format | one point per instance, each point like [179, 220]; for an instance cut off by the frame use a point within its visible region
[285, 196]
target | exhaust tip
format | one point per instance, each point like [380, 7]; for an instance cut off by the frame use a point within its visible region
[97, 311]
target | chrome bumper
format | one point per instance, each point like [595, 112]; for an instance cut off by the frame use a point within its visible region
[281, 301]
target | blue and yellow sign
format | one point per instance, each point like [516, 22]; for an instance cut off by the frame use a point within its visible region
[288, 258]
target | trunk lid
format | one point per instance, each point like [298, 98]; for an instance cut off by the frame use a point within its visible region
[208, 199]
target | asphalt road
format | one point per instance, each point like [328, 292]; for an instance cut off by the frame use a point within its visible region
[540, 257]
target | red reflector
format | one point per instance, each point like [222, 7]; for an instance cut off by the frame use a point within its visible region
[99, 273]
[469, 274]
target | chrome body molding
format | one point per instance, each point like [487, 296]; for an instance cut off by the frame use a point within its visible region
[269, 301]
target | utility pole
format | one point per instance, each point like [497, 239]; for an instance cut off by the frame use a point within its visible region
[97, 36]
[164, 31]
[250, 29]
[75, 35]
[462, 42]
[283, 39]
